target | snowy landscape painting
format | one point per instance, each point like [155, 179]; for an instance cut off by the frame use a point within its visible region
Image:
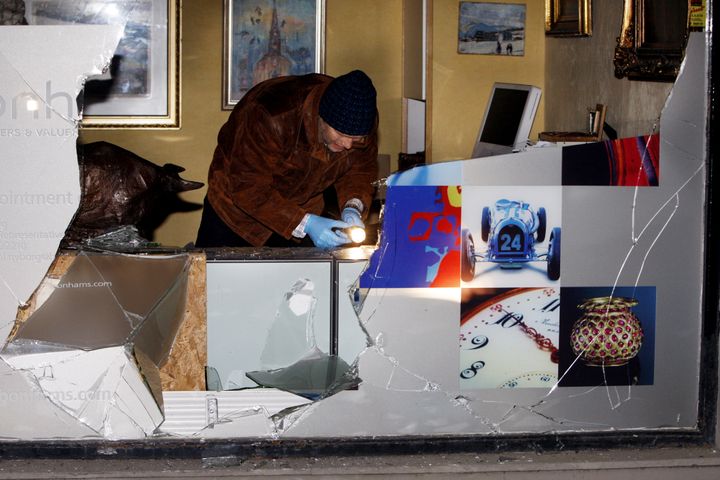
[491, 28]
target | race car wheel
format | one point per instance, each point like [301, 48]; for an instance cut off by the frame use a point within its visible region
[485, 226]
[553, 256]
[467, 258]
[542, 225]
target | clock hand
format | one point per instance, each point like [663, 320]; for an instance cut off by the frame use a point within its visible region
[541, 341]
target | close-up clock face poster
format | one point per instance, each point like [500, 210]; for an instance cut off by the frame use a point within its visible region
[509, 337]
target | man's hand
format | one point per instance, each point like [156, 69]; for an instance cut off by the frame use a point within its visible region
[323, 234]
[352, 217]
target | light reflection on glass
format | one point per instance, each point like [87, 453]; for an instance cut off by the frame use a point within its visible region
[355, 253]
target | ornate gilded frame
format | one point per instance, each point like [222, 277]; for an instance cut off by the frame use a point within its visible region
[568, 18]
[651, 51]
[159, 105]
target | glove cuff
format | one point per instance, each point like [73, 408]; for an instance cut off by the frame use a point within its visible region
[299, 231]
[355, 203]
[352, 209]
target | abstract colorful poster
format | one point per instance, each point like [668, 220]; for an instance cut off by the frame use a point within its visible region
[420, 242]
[627, 162]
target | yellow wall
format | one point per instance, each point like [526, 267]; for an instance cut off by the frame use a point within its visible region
[368, 38]
[461, 83]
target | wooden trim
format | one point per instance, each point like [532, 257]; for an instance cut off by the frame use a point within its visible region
[404, 125]
[428, 82]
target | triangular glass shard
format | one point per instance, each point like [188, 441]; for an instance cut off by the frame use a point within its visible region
[315, 376]
[82, 312]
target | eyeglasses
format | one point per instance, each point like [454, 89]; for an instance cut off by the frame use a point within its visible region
[359, 142]
[332, 136]
[355, 142]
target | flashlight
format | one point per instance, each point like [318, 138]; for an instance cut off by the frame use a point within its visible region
[356, 234]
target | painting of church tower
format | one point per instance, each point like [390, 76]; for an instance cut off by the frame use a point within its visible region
[270, 38]
[273, 63]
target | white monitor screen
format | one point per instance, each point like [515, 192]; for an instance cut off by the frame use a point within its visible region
[508, 119]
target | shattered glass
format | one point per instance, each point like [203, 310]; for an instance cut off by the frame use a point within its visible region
[644, 247]
[96, 344]
[407, 350]
[42, 70]
[138, 58]
[38, 120]
[292, 333]
[287, 327]
[123, 239]
[291, 305]
[315, 375]
[291, 359]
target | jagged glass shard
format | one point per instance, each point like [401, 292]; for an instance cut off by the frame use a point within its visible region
[293, 331]
[100, 322]
[89, 307]
[96, 344]
[42, 71]
[212, 380]
[315, 376]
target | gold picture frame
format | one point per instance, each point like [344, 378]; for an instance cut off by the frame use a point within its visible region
[142, 88]
[568, 18]
[652, 40]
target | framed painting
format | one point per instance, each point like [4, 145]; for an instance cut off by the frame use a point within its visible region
[652, 39]
[491, 28]
[568, 18]
[270, 38]
[141, 88]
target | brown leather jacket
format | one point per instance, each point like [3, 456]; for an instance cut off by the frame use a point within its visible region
[270, 166]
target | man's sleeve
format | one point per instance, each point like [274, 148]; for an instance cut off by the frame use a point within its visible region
[358, 181]
[257, 150]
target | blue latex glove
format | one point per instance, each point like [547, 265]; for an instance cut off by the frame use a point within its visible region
[352, 217]
[322, 233]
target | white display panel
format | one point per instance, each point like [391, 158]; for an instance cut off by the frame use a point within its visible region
[250, 308]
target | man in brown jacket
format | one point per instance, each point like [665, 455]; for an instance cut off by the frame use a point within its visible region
[288, 140]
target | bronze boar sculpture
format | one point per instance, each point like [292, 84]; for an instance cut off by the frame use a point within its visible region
[12, 12]
[120, 188]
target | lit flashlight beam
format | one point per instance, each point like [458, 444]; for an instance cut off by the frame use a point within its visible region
[356, 234]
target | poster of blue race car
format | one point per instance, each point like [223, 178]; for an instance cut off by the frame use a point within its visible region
[511, 239]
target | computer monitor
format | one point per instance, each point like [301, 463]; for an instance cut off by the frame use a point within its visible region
[508, 119]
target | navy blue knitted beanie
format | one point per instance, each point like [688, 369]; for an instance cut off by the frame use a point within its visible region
[349, 104]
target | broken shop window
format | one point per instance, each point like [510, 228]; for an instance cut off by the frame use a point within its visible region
[397, 334]
[94, 346]
[42, 71]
